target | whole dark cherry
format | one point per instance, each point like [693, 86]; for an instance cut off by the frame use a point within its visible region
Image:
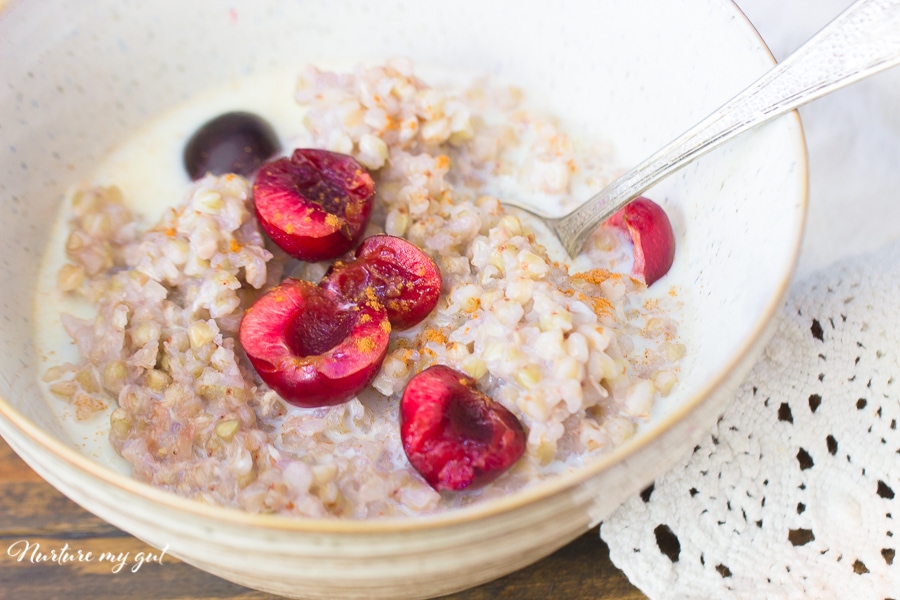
[235, 142]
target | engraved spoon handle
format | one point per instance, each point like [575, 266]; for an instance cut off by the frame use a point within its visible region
[860, 42]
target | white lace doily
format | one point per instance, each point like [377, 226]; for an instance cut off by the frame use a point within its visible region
[795, 492]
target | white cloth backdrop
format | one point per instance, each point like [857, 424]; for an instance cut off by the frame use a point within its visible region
[853, 137]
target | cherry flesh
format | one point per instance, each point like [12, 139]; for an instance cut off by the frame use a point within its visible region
[405, 279]
[455, 436]
[314, 205]
[312, 346]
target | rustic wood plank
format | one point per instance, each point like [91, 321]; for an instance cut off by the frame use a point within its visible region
[28, 508]
[35, 519]
[579, 571]
[12, 469]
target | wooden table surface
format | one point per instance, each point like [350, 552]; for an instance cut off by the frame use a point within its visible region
[32, 512]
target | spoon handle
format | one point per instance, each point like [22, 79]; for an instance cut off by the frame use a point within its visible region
[861, 41]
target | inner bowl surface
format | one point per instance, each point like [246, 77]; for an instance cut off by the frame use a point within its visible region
[79, 78]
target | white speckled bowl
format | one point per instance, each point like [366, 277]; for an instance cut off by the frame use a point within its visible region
[78, 77]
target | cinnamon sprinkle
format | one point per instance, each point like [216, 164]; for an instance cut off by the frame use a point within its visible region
[432, 335]
[596, 276]
[600, 305]
[365, 345]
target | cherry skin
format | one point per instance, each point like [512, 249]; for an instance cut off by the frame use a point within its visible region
[651, 233]
[235, 142]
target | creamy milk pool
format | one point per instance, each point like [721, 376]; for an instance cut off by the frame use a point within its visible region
[148, 168]
[528, 158]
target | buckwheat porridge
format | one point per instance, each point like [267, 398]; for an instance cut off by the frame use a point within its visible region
[574, 348]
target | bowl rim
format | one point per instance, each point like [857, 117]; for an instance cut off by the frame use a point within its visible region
[533, 494]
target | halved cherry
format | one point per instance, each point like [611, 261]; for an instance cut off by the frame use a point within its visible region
[405, 279]
[454, 435]
[651, 232]
[314, 205]
[312, 346]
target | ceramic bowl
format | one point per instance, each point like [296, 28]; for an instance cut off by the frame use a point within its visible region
[79, 77]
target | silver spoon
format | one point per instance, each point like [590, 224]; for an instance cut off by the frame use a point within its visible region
[861, 41]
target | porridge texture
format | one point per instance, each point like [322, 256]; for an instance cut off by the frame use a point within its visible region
[575, 350]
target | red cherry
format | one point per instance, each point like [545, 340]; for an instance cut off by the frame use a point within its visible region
[651, 232]
[405, 279]
[314, 205]
[312, 346]
[455, 436]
